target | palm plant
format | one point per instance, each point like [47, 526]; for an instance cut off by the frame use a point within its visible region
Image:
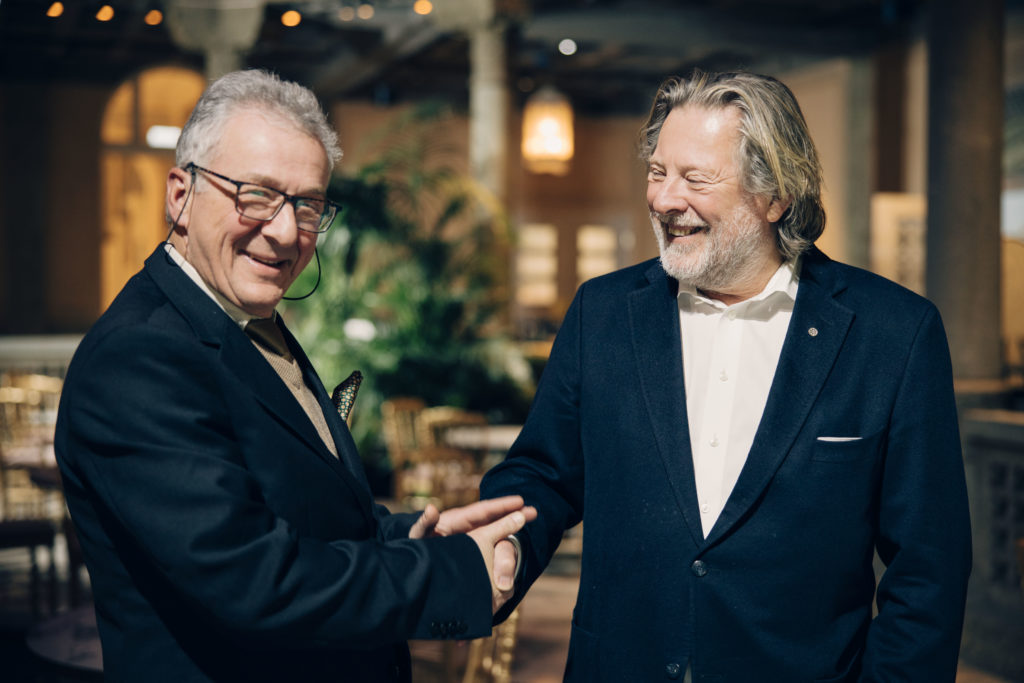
[414, 288]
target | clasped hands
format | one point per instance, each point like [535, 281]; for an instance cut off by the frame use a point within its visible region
[488, 523]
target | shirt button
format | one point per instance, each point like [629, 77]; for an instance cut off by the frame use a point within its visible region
[723, 376]
[731, 315]
[714, 441]
[705, 507]
[672, 670]
[699, 568]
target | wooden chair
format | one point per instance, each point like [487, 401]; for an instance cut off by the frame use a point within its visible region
[434, 422]
[30, 515]
[490, 659]
[399, 418]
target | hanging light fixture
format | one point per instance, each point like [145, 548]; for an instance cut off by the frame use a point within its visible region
[547, 132]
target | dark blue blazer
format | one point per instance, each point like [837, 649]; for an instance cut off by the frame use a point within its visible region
[223, 540]
[781, 590]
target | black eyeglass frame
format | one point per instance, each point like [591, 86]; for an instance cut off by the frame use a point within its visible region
[326, 218]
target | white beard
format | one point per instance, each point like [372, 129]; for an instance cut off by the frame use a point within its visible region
[725, 257]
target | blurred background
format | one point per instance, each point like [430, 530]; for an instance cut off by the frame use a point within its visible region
[490, 167]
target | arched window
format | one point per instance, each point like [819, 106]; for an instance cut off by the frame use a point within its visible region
[138, 134]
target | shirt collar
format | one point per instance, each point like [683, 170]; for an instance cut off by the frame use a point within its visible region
[784, 282]
[235, 313]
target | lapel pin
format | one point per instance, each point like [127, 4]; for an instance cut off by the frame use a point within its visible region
[813, 331]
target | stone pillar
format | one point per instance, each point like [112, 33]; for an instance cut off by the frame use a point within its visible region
[488, 108]
[223, 30]
[965, 147]
[488, 87]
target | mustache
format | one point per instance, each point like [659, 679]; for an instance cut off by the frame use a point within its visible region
[678, 220]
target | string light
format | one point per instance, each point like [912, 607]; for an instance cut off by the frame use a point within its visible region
[423, 7]
[291, 18]
[347, 13]
[105, 13]
[365, 11]
[55, 10]
[153, 17]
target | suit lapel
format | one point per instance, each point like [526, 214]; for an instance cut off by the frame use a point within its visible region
[347, 452]
[216, 329]
[657, 347]
[816, 333]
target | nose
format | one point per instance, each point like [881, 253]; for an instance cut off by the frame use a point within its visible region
[282, 228]
[668, 196]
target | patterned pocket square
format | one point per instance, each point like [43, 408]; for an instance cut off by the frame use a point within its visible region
[344, 396]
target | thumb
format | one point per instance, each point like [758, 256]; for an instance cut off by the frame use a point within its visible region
[424, 526]
[504, 565]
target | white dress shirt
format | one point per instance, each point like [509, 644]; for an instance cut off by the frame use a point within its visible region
[729, 358]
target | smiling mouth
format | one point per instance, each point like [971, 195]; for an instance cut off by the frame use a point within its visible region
[682, 230]
[270, 263]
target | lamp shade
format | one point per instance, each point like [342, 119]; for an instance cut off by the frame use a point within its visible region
[547, 132]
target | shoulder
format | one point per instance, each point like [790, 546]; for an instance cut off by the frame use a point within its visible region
[142, 326]
[627, 279]
[863, 291]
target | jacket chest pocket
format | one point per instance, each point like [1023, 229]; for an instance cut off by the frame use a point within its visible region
[846, 448]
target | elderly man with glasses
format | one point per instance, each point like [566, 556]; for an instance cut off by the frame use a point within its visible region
[226, 521]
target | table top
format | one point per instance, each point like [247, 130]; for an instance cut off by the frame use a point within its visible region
[70, 640]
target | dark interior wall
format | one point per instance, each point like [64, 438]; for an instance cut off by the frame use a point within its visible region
[49, 206]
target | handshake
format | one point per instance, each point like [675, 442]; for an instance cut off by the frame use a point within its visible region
[489, 523]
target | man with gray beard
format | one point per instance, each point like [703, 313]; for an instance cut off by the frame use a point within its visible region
[741, 425]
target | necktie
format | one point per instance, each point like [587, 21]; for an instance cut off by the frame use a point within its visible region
[266, 332]
[344, 395]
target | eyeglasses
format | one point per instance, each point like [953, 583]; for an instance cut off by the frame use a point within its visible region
[260, 203]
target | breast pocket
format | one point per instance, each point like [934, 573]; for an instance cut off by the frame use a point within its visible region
[840, 448]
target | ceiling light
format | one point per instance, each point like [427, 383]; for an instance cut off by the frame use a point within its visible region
[547, 145]
[153, 17]
[423, 7]
[567, 46]
[55, 10]
[291, 18]
[105, 13]
[347, 13]
[365, 11]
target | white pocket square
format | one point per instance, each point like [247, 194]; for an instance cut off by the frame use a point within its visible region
[839, 439]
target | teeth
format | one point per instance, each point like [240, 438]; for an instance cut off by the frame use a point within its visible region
[682, 230]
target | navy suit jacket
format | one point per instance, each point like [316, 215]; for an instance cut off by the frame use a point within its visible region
[224, 541]
[781, 589]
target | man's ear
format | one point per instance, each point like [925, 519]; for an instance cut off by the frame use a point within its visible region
[179, 185]
[777, 208]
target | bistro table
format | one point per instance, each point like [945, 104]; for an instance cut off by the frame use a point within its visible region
[67, 646]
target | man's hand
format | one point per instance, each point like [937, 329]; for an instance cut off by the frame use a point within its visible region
[468, 517]
[488, 523]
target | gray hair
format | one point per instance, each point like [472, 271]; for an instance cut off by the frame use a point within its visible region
[261, 91]
[776, 154]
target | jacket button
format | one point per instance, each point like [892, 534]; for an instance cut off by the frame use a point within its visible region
[699, 568]
[672, 670]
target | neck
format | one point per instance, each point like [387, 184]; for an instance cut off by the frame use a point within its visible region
[747, 288]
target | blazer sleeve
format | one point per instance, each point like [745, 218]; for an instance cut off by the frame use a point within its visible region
[545, 464]
[924, 535]
[149, 433]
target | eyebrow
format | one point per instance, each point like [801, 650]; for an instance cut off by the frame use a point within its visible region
[264, 181]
